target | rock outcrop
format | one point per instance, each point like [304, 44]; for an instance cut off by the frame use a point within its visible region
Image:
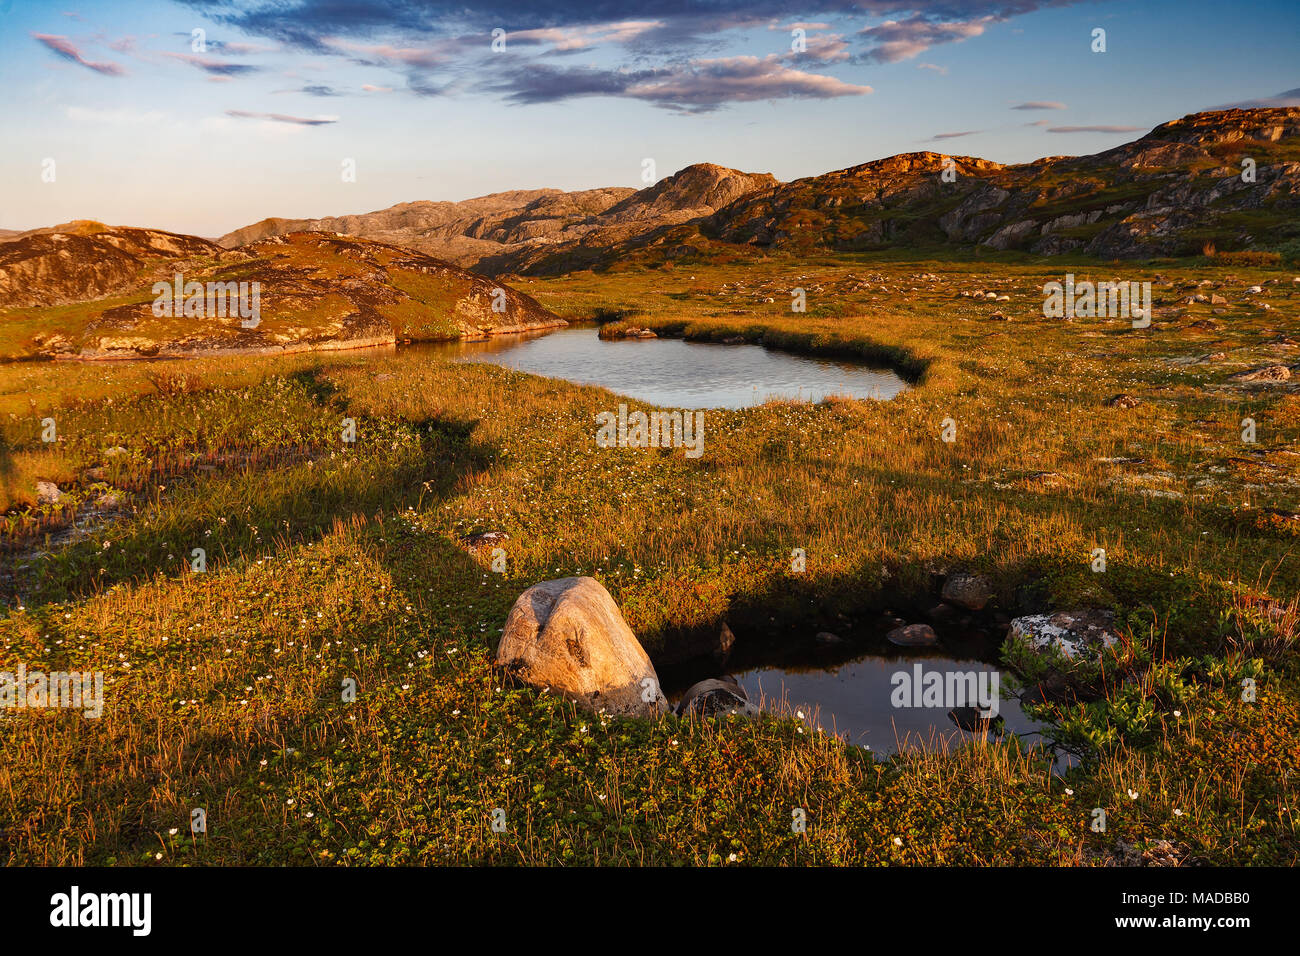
[969, 591]
[87, 261]
[568, 635]
[314, 292]
[715, 698]
[1065, 651]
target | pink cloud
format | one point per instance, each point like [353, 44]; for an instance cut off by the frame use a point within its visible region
[64, 48]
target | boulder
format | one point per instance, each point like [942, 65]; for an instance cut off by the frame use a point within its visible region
[1062, 651]
[971, 591]
[47, 493]
[828, 641]
[570, 636]
[913, 635]
[715, 698]
[487, 539]
[1269, 373]
[726, 641]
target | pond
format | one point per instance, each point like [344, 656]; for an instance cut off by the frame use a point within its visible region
[870, 701]
[671, 373]
[873, 694]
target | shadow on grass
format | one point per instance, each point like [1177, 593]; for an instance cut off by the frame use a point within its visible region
[261, 508]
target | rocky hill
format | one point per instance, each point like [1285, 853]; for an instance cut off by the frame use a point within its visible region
[544, 230]
[1169, 193]
[86, 260]
[314, 291]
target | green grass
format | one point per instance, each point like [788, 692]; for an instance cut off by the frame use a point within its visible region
[330, 560]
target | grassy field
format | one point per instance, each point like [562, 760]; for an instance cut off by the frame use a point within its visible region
[329, 560]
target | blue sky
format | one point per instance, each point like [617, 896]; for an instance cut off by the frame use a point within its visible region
[145, 128]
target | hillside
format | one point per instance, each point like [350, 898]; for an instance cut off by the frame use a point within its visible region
[86, 260]
[1168, 193]
[545, 230]
[316, 291]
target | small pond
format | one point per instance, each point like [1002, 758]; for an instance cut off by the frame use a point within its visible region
[855, 699]
[871, 693]
[671, 373]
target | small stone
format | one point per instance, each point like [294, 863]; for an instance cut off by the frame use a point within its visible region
[487, 539]
[913, 635]
[971, 591]
[715, 698]
[47, 493]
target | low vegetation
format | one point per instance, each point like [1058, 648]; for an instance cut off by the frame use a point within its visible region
[328, 560]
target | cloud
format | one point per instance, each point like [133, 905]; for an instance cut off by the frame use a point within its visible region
[64, 48]
[215, 67]
[237, 49]
[698, 86]
[1038, 123]
[396, 57]
[678, 25]
[581, 38]
[941, 70]
[1094, 129]
[668, 47]
[827, 49]
[969, 132]
[896, 40]
[282, 118]
[1287, 98]
[315, 89]
[1040, 105]
[371, 88]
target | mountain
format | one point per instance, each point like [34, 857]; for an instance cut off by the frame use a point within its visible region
[544, 230]
[1168, 193]
[314, 291]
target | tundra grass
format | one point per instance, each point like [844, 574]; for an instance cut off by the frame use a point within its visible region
[329, 561]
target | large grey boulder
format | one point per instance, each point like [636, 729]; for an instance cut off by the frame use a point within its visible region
[570, 636]
[1063, 651]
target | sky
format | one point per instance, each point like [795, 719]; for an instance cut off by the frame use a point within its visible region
[200, 117]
